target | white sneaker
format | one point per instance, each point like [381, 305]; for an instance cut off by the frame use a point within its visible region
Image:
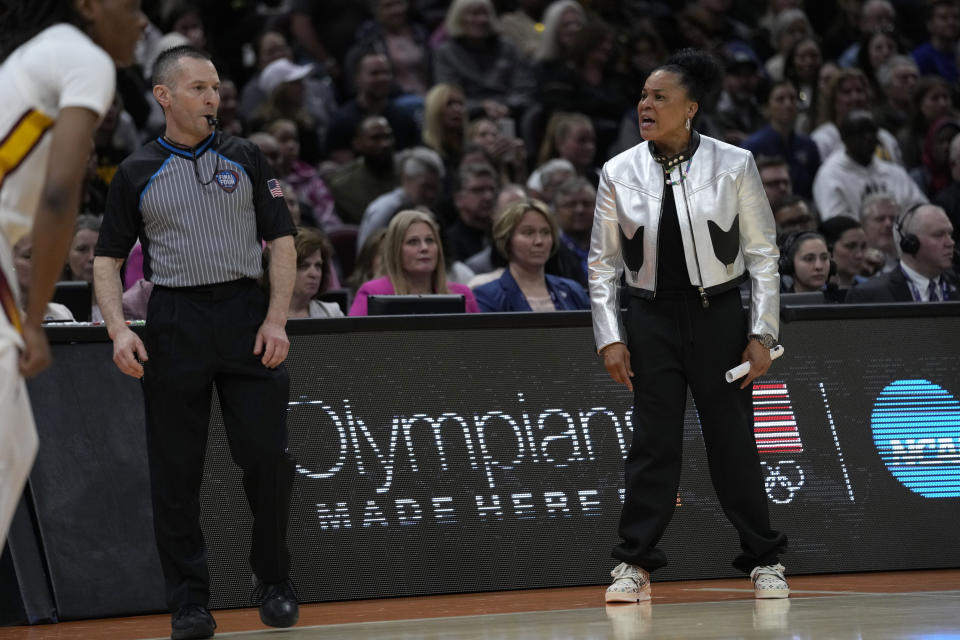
[768, 582]
[630, 584]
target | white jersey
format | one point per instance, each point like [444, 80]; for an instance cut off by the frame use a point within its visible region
[59, 67]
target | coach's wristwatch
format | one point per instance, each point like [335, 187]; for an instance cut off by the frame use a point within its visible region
[767, 340]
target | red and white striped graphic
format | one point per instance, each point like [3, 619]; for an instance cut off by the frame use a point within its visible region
[774, 423]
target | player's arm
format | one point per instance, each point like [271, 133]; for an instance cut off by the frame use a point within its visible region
[53, 225]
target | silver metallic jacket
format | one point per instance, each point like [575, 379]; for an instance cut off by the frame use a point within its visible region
[721, 200]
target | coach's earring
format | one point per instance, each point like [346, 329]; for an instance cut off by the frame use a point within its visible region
[688, 124]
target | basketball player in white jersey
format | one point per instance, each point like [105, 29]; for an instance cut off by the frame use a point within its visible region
[57, 79]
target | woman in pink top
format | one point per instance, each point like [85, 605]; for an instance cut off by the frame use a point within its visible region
[413, 260]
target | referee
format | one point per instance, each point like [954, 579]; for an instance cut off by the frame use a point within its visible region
[200, 205]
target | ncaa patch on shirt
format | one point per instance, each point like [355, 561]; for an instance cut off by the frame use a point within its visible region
[228, 180]
[274, 185]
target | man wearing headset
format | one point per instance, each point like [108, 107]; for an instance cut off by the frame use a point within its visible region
[926, 247]
[201, 204]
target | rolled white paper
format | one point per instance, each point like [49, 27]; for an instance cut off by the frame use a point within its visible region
[743, 368]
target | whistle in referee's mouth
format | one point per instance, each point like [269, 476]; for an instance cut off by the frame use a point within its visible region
[213, 122]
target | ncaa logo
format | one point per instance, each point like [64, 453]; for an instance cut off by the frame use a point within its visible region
[228, 180]
[916, 429]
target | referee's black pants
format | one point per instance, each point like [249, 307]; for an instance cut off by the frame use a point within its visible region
[197, 337]
[675, 342]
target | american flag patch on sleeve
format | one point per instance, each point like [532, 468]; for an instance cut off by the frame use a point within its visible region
[274, 185]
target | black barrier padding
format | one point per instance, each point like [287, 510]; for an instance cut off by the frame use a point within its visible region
[33, 603]
[12, 610]
[410, 524]
[91, 486]
[517, 485]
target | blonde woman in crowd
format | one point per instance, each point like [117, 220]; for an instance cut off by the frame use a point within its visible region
[413, 260]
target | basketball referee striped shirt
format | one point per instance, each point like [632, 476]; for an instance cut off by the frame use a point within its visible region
[193, 233]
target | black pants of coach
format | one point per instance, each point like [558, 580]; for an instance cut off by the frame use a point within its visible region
[674, 343]
[197, 338]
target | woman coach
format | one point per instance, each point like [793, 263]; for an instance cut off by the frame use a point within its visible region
[685, 217]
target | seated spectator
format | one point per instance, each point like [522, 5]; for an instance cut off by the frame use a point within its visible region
[570, 136]
[896, 78]
[293, 204]
[875, 16]
[310, 188]
[508, 152]
[805, 264]
[445, 123]
[847, 177]
[283, 83]
[535, 38]
[933, 174]
[803, 64]
[473, 153]
[270, 147]
[876, 48]
[929, 101]
[878, 212]
[369, 263]
[404, 42]
[543, 182]
[230, 123]
[838, 26]
[926, 246]
[325, 30]
[949, 197]
[737, 113]
[493, 75]
[846, 243]
[779, 138]
[184, 18]
[22, 265]
[938, 55]
[115, 139]
[848, 90]
[715, 23]
[574, 204]
[583, 79]
[775, 177]
[787, 28]
[314, 269]
[319, 99]
[645, 52]
[527, 235]
[86, 232]
[488, 265]
[268, 46]
[413, 262]
[474, 199]
[373, 77]
[791, 213]
[370, 175]
[421, 174]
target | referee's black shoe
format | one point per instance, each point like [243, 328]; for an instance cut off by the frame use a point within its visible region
[278, 603]
[192, 622]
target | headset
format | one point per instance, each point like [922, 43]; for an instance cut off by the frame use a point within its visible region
[790, 246]
[909, 242]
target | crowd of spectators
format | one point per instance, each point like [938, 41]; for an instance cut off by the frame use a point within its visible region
[493, 118]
